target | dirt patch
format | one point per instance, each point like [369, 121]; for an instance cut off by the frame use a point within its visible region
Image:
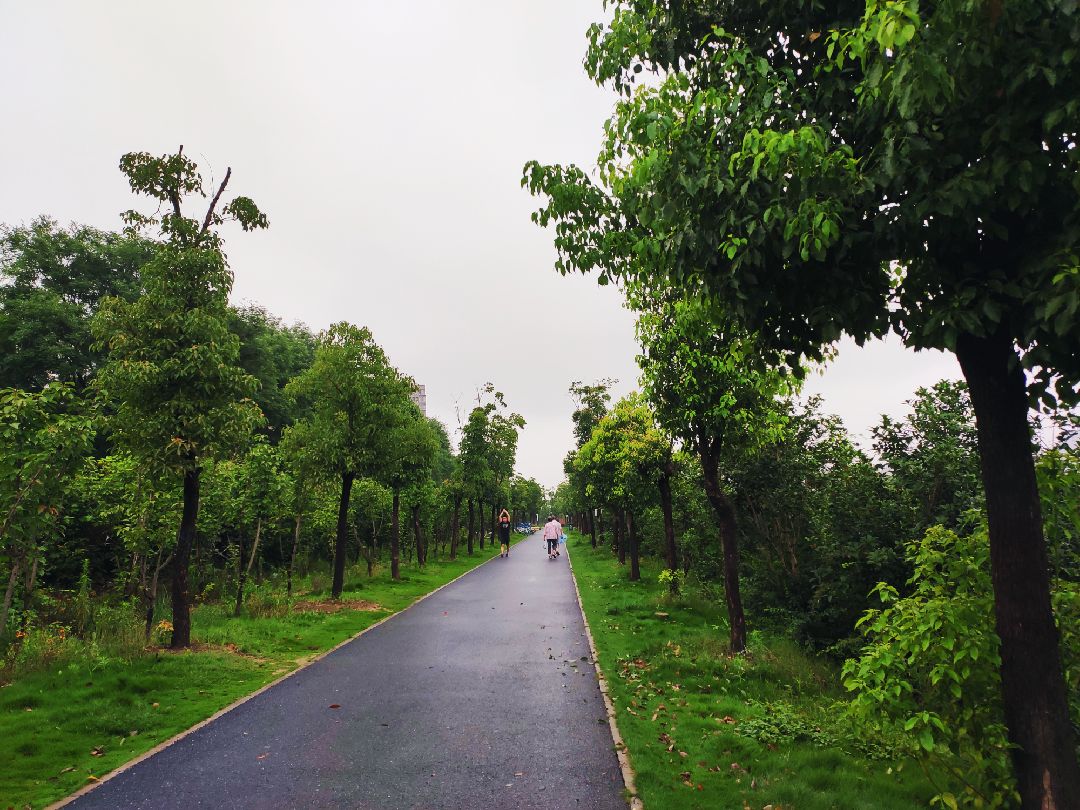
[333, 606]
[200, 647]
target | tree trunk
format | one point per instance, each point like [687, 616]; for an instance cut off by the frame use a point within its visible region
[8, 594]
[292, 556]
[150, 595]
[454, 527]
[341, 540]
[28, 586]
[421, 551]
[185, 539]
[395, 537]
[620, 534]
[592, 527]
[470, 535]
[480, 520]
[631, 532]
[725, 513]
[494, 524]
[671, 556]
[245, 570]
[1032, 681]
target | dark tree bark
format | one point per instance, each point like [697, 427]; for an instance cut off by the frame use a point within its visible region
[471, 520]
[631, 532]
[480, 522]
[421, 551]
[494, 524]
[671, 556]
[239, 574]
[592, 527]
[185, 539]
[620, 535]
[1032, 681]
[341, 542]
[395, 538]
[245, 571]
[725, 514]
[292, 557]
[454, 519]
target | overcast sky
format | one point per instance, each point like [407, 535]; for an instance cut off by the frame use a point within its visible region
[385, 142]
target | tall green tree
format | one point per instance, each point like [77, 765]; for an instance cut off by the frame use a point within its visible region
[43, 439]
[171, 372]
[356, 400]
[819, 170]
[716, 391]
[273, 353]
[52, 280]
[591, 402]
[408, 451]
[625, 457]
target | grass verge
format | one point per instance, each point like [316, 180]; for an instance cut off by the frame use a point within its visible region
[71, 723]
[705, 729]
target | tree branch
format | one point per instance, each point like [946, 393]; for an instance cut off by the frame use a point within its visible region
[174, 193]
[214, 202]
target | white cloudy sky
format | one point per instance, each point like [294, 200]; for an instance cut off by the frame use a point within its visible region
[385, 142]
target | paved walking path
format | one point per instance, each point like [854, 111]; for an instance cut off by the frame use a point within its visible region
[481, 696]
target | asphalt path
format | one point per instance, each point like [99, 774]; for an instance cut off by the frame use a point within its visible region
[481, 696]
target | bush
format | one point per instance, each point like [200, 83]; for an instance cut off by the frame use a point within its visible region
[930, 668]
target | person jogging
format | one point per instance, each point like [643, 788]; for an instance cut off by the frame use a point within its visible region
[552, 533]
[504, 533]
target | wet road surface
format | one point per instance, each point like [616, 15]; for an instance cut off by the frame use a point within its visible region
[481, 696]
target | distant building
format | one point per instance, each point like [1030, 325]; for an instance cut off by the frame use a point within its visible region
[419, 396]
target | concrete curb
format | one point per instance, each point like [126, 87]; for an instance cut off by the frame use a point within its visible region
[620, 747]
[241, 701]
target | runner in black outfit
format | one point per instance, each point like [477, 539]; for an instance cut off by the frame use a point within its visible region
[504, 533]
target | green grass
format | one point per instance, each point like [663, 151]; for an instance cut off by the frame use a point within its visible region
[54, 719]
[705, 729]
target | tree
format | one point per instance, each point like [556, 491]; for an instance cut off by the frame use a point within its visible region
[624, 458]
[273, 354]
[715, 390]
[591, 401]
[932, 456]
[171, 371]
[873, 178]
[356, 399]
[262, 495]
[53, 281]
[410, 447]
[43, 438]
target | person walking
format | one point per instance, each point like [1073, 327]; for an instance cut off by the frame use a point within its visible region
[504, 533]
[552, 533]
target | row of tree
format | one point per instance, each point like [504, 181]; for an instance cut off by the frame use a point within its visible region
[146, 424]
[795, 172]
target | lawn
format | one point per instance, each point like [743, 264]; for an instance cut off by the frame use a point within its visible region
[705, 729]
[71, 722]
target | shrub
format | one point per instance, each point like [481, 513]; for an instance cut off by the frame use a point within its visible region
[930, 668]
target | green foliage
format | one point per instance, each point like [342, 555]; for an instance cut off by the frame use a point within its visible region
[172, 370]
[930, 668]
[671, 580]
[765, 727]
[355, 399]
[932, 456]
[52, 280]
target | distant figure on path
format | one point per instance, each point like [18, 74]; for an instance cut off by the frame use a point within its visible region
[504, 533]
[552, 533]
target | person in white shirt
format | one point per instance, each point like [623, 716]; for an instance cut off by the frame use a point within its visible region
[552, 533]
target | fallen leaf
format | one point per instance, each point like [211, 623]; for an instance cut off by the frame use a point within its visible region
[92, 778]
[683, 754]
[335, 705]
[97, 752]
[154, 705]
[262, 756]
[68, 769]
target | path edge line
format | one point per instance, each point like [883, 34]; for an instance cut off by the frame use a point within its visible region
[161, 746]
[620, 747]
